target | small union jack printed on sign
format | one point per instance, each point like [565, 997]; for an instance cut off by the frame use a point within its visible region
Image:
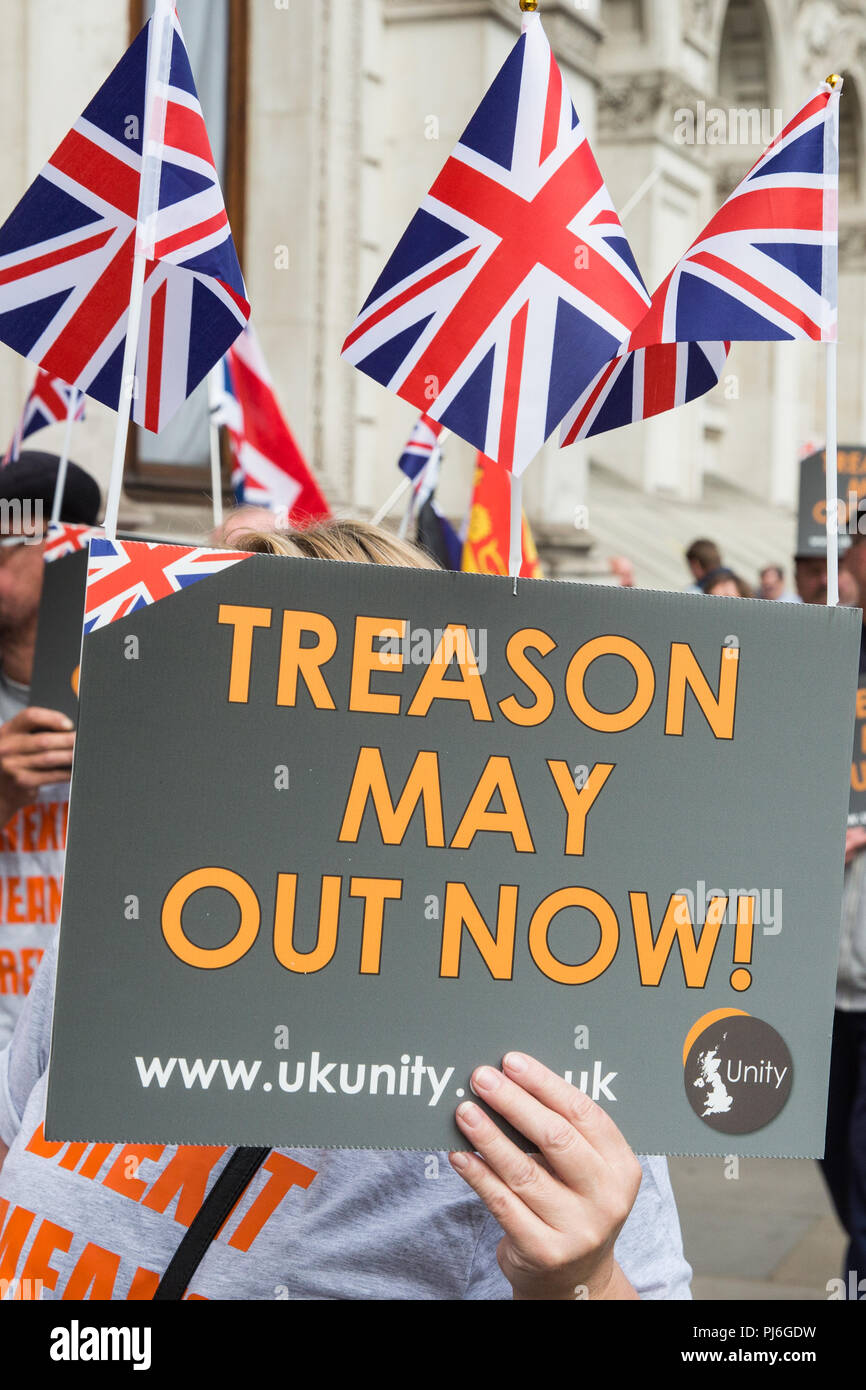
[123, 576]
[514, 283]
[65, 537]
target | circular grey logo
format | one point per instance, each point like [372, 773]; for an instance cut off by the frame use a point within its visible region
[738, 1074]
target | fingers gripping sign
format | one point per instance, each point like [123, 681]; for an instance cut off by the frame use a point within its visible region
[560, 1215]
[35, 751]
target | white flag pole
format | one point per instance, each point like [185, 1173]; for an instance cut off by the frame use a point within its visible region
[830, 288]
[390, 502]
[832, 501]
[153, 133]
[60, 485]
[403, 529]
[515, 543]
[400, 490]
[216, 472]
[15, 447]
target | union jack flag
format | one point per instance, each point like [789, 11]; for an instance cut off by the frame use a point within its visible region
[66, 251]
[269, 468]
[65, 537]
[642, 383]
[47, 403]
[123, 576]
[514, 282]
[421, 461]
[765, 266]
[422, 446]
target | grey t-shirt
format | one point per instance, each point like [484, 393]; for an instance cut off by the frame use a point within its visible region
[102, 1221]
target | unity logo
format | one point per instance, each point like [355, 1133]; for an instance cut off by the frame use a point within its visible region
[738, 1071]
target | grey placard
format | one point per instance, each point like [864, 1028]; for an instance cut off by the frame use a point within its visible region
[172, 777]
[58, 636]
[812, 504]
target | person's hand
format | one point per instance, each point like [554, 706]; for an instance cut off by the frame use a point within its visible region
[35, 751]
[855, 840]
[562, 1215]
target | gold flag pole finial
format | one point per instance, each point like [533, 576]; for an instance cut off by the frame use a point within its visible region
[833, 80]
[528, 6]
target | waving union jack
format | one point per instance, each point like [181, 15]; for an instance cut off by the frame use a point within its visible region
[269, 468]
[66, 251]
[123, 576]
[514, 282]
[422, 445]
[765, 266]
[48, 402]
[646, 382]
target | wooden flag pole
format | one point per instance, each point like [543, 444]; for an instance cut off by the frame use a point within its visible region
[830, 448]
[60, 485]
[153, 132]
[216, 472]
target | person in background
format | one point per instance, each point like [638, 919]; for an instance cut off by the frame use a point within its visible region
[849, 592]
[242, 519]
[724, 583]
[623, 569]
[702, 557]
[772, 585]
[810, 575]
[35, 744]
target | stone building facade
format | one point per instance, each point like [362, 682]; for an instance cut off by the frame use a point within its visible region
[340, 113]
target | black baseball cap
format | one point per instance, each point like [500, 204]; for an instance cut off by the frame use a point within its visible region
[32, 477]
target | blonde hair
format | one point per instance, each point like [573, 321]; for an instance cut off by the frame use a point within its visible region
[354, 541]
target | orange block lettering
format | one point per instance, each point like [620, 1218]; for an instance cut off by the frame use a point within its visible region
[94, 1274]
[185, 1176]
[39, 1144]
[285, 1174]
[94, 1160]
[16, 913]
[13, 1233]
[143, 1287]
[8, 973]
[36, 899]
[121, 1176]
[48, 1239]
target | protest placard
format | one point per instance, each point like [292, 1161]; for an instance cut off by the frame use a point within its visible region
[812, 499]
[58, 636]
[340, 833]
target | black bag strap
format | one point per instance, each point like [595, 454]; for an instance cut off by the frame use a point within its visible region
[229, 1186]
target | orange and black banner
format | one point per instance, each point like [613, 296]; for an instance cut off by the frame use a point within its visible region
[485, 550]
